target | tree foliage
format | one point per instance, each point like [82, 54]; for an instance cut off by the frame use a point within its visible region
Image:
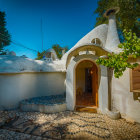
[58, 49]
[127, 18]
[40, 55]
[5, 37]
[119, 62]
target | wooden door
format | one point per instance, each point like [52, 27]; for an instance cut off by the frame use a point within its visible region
[95, 85]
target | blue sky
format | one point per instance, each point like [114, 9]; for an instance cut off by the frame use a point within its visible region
[65, 22]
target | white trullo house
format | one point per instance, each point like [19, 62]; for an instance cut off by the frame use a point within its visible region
[76, 75]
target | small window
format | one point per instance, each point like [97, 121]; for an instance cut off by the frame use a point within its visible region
[97, 41]
[135, 79]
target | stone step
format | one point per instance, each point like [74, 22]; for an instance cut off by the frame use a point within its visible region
[86, 109]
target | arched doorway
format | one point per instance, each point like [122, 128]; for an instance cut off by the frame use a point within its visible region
[86, 74]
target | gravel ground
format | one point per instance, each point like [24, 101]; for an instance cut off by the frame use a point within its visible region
[16, 125]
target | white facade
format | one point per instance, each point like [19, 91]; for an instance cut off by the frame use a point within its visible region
[70, 83]
[22, 78]
[124, 100]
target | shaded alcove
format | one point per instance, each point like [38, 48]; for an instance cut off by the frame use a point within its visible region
[86, 76]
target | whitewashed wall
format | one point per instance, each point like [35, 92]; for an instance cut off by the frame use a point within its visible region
[123, 100]
[16, 87]
[70, 83]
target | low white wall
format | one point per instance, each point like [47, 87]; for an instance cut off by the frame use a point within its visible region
[16, 87]
[122, 98]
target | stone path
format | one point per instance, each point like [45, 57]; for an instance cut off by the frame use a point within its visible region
[15, 125]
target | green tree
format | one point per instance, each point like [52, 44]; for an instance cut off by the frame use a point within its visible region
[5, 37]
[119, 62]
[127, 18]
[58, 49]
[40, 55]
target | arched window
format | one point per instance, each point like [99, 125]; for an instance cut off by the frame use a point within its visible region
[97, 41]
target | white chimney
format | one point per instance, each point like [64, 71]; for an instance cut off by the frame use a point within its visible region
[112, 40]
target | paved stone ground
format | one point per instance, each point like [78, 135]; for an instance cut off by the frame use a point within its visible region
[16, 125]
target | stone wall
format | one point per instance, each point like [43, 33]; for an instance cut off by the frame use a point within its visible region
[16, 87]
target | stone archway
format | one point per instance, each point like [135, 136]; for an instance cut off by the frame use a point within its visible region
[102, 102]
[86, 84]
